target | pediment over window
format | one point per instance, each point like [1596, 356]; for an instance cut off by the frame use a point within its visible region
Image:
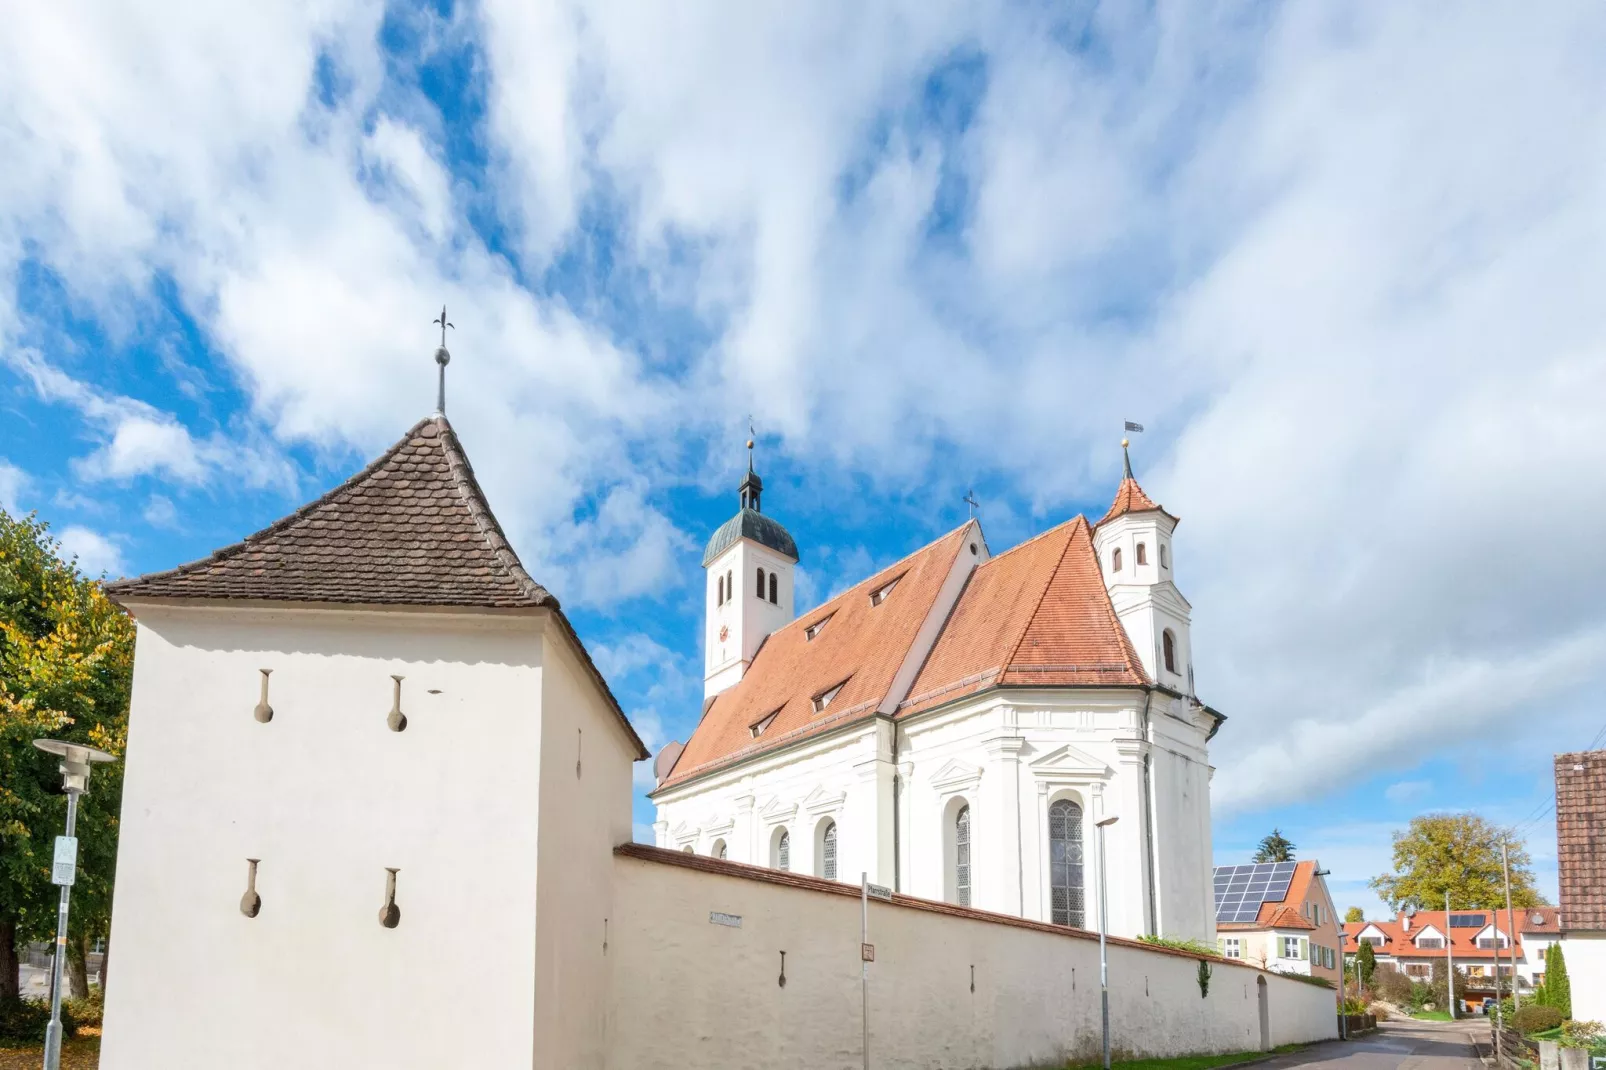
[956, 776]
[776, 811]
[717, 825]
[684, 831]
[821, 801]
[1068, 763]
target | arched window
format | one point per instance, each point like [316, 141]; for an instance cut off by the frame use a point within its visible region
[1065, 863]
[1143, 553]
[719, 849]
[689, 849]
[828, 852]
[783, 851]
[1115, 560]
[1169, 643]
[962, 856]
[1163, 562]
[730, 586]
[720, 585]
[760, 588]
[774, 590]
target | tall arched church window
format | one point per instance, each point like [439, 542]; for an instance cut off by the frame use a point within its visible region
[1115, 560]
[720, 585]
[774, 590]
[962, 856]
[730, 586]
[783, 851]
[1065, 864]
[828, 849]
[1169, 643]
[1143, 553]
[760, 585]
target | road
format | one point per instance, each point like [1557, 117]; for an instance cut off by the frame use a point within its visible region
[1401, 1044]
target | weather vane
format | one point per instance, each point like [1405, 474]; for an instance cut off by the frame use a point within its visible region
[443, 358]
[751, 435]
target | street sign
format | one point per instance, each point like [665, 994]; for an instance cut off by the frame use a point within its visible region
[879, 891]
[715, 917]
[64, 867]
[867, 952]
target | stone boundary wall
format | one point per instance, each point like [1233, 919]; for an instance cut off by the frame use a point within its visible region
[696, 961]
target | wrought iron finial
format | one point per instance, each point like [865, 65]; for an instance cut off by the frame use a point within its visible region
[443, 357]
[970, 500]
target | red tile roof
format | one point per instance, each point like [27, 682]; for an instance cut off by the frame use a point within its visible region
[1037, 616]
[861, 648]
[1129, 498]
[1581, 838]
[1398, 941]
[1278, 913]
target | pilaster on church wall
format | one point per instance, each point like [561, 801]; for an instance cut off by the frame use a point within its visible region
[1003, 799]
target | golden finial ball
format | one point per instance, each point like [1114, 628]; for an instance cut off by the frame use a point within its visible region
[1124, 443]
[749, 443]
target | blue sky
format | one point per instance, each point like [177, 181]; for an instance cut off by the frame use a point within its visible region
[1341, 263]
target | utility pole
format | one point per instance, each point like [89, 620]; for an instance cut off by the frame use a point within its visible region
[1511, 926]
[1449, 954]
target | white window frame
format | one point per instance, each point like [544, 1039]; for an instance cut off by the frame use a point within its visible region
[1232, 947]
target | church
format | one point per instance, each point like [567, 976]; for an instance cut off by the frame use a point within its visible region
[377, 807]
[954, 726]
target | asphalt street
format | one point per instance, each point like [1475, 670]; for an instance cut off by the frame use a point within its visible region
[1401, 1044]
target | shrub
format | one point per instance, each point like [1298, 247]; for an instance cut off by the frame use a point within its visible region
[1581, 1034]
[1532, 1018]
[1390, 984]
[1378, 1011]
[25, 1021]
[88, 1011]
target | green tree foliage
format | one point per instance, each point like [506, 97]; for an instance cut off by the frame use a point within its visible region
[1558, 989]
[1365, 965]
[1459, 854]
[66, 659]
[1354, 914]
[1440, 975]
[1275, 848]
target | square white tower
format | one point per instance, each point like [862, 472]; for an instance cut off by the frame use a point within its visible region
[748, 563]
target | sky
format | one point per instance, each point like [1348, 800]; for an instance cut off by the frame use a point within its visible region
[1337, 259]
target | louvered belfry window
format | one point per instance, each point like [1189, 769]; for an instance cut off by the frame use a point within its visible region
[783, 852]
[829, 849]
[962, 856]
[1066, 861]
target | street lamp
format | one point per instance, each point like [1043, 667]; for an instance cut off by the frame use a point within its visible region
[1104, 958]
[76, 762]
[1343, 1011]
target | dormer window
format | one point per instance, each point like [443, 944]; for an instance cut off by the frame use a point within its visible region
[757, 727]
[879, 595]
[816, 628]
[1143, 553]
[1115, 560]
[823, 699]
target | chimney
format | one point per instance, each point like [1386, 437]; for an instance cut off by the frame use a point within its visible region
[1405, 922]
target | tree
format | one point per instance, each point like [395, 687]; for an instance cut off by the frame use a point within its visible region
[1459, 854]
[1354, 914]
[1558, 989]
[1365, 964]
[1275, 848]
[1440, 973]
[66, 658]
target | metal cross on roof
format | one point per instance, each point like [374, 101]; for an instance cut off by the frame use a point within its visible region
[442, 357]
[970, 500]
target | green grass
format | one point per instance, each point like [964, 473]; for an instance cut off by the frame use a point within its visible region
[1200, 1062]
[1431, 1016]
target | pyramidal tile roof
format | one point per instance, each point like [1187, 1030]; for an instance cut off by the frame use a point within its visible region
[1129, 498]
[411, 529]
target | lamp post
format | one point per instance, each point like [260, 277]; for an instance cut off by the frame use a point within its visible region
[76, 762]
[1104, 958]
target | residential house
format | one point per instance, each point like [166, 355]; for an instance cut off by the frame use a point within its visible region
[1478, 940]
[1278, 915]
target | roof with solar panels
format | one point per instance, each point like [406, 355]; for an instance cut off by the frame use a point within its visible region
[1264, 895]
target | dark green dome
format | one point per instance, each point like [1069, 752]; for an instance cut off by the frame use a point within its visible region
[750, 524]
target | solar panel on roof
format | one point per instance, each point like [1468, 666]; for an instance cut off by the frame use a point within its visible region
[1240, 890]
[1466, 921]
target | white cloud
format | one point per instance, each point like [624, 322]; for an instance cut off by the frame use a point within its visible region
[1405, 791]
[159, 512]
[13, 481]
[96, 553]
[1339, 260]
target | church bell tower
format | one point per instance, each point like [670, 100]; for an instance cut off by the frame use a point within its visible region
[748, 566]
[1134, 545]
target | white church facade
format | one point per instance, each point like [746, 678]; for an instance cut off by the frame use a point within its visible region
[377, 811]
[953, 726]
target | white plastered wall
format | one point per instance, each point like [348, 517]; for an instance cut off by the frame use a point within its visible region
[327, 796]
[586, 759]
[1035, 1000]
[1585, 953]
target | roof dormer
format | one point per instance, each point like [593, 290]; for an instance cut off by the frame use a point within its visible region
[1429, 939]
